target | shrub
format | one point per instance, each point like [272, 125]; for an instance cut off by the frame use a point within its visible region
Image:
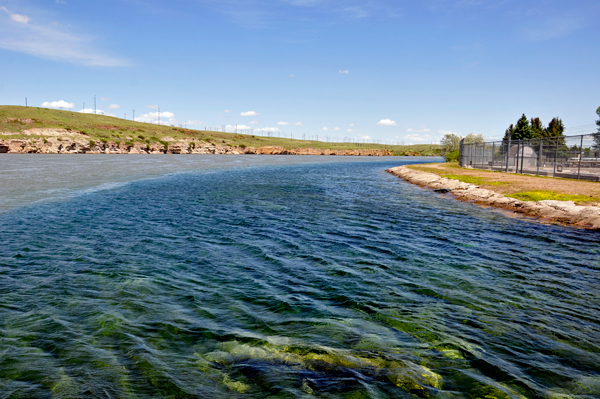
[452, 156]
[92, 143]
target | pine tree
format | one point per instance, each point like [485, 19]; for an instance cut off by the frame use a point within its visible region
[522, 129]
[509, 132]
[555, 128]
[537, 128]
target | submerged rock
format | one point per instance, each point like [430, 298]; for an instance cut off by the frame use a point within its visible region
[325, 360]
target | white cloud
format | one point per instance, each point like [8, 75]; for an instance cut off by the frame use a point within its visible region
[291, 76]
[365, 137]
[268, 129]
[114, 106]
[105, 99]
[166, 118]
[423, 130]
[91, 111]
[22, 19]
[351, 125]
[239, 127]
[51, 41]
[254, 123]
[58, 104]
[283, 123]
[61, 2]
[351, 130]
[298, 124]
[152, 106]
[346, 72]
[447, 132]
[227, 110]
[249, 113]
[326, 128]
[420, 138]
[386, 122]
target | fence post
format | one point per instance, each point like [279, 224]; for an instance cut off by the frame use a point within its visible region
[555, 158]
[508, 154]
[493, 153]
[461, 153]
[522, 156]
[580, 157]
[539, 157]
[483, 156]
[517, 156]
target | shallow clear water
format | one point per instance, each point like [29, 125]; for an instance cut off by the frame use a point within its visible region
[289, 279]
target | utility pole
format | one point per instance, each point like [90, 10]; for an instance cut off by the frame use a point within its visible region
[26, 101]
[133, 119]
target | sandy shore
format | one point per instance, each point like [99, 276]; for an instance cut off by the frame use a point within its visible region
[550, 211]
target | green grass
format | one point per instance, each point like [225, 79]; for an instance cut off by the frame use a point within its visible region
[541, 195]
[480, 181]
[99, 128]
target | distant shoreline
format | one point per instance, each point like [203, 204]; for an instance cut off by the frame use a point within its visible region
[71, 146]
[48, 131]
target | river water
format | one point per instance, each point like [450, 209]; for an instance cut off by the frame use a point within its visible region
[282, 277]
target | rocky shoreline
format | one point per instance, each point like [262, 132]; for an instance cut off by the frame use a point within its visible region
[59, 141]
[549, 211]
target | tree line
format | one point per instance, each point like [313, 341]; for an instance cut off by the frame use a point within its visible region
[526, 129]
[451, 144]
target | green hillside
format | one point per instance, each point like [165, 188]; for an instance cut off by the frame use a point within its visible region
[15, 119]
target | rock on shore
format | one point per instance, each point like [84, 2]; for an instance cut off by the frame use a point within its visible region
[68, 142]
[560, 212]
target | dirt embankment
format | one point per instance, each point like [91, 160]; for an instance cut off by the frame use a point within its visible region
[551, 211]
[58, 141]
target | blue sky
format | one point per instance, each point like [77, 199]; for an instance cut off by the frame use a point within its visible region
[388, 70]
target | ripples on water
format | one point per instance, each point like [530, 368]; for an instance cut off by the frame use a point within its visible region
[325, 281]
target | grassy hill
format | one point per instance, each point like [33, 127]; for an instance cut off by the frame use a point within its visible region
[15, 119]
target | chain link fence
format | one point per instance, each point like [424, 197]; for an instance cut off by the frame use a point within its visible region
[573, 157]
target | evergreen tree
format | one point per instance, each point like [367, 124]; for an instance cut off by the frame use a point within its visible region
[537, 128]
[598, 121]
[555, 128]
[509, 132]
[522, 129]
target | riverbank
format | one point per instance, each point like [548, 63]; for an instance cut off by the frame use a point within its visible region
[550, 211]
[42, 130]
[64, 142]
